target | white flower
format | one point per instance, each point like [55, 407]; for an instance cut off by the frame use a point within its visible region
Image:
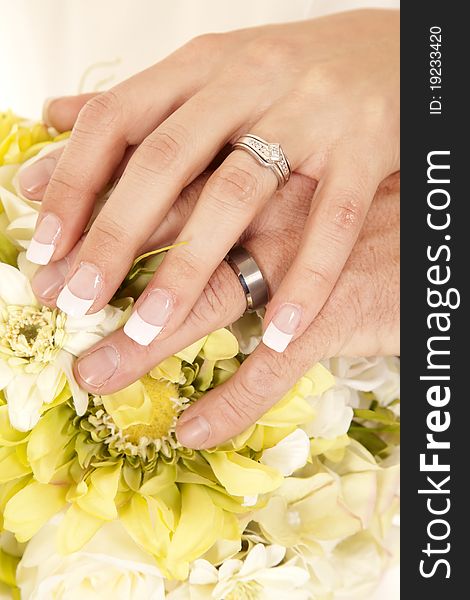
[333, 414]
[359, 563]
[289, 454]
[259, 576]
[20, 213]
[248, 330]
[380, 375]
[110, 565]
[37, 346]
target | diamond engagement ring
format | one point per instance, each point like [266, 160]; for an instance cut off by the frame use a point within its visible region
[267, 154]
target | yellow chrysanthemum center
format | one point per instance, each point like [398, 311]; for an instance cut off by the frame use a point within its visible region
[246, 590]
[30, 333]
[164, 411]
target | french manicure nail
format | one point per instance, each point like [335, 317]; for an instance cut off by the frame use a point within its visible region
[35, 177]
[99, 366]
[47, 281]
[282, 327]
[42, 246]
[193, 433]
[146, 322]
[81, 291]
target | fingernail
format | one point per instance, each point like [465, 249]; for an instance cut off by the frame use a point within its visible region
[149, 318]
[45, 109]
[81, 291]
[193, 433]
[42, 246]
[47, 281]
[99, 366]
[35, 177]
[282, 327]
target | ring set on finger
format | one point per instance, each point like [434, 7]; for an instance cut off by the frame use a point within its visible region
[267, 154]
[271, 156]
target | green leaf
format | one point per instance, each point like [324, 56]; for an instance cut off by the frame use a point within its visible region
[8, 564]
[8, 252]
[367, 438]
[380, 415]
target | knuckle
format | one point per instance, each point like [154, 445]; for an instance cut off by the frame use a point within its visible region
[108, 238]
[183, 264]
[100, 112]
[203, 43]
[62, 186]
[260, 378]
[348, 212]
[317, 275]
[321, 79]
[235, 406]
[161, 152]
[215, 304]
[270, 52]
[231, 189]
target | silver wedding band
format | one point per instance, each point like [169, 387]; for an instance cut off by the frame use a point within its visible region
[267, 154]
[250, 277]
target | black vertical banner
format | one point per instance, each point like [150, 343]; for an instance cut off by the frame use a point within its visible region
[435, 200]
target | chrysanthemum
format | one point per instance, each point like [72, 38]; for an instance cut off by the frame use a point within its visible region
[37, 346]
[121, 459]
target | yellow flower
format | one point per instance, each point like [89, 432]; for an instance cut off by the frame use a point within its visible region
[21, 139]
[21, 143]
[122, 460]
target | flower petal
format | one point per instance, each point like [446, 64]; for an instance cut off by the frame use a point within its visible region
[28, 510]
[14, 287]
[289, 454]
[6, 375]
[242, 476]
[80, 397]
[219, 345]
[129, 406]
[24, 402]
[203, 572]
[199, 527]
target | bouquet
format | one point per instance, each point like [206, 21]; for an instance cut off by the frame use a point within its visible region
[99, 499]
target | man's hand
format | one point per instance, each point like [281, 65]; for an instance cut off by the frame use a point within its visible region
[361, 316]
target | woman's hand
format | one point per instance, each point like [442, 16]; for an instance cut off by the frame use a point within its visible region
[361, 317]
[326, 90]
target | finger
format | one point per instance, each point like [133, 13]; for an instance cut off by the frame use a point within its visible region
[34, 175]
[62, 112]
[106, 125]
[49, 280]
[340, 206]
[220, 304]
[168, 159]
[261, 381]
[117, 361]
[361, 318]
[232, 197]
